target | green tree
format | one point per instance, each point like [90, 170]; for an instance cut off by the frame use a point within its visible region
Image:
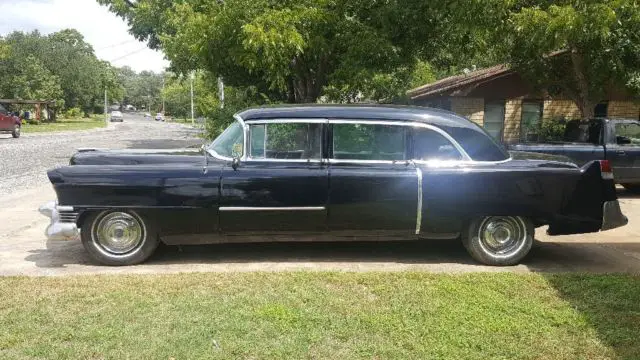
[580, 49]
[298, 50]
[33, 81]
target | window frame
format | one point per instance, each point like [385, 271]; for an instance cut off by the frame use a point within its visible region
[540, 104]
[501, 102]
[247, 154]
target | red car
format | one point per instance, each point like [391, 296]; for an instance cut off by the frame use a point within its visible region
[9, 123]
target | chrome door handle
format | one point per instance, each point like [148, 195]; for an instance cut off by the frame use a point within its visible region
[621, 152]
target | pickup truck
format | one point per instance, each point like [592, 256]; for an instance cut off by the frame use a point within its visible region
[616, 140]
[9, 123]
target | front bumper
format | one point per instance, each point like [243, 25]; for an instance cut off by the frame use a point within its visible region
[61, 227]
[612, 216]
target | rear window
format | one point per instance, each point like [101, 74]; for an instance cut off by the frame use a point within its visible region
[479, 145]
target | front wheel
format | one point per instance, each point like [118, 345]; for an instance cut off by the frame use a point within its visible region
[16, 131]
[499, 240]
[118, 237]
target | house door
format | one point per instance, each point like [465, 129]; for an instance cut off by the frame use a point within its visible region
[494, 118]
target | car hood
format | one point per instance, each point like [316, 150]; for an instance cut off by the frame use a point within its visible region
[526, 155]
[136, 156]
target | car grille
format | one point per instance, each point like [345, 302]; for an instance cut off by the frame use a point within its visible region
[68, 216]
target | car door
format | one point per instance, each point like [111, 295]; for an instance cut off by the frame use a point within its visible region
[373, 187]
[624, 151]
[281, 184]
[5, 120]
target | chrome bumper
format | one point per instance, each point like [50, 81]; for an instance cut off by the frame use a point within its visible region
[612, 216]
[63, 225]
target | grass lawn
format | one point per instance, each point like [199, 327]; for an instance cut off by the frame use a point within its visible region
[320, 315]
[65, 124]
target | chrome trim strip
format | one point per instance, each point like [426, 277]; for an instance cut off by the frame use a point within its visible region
[267, 208]
[288, 121]
[313, 161]
[348, 161]
[419, 212]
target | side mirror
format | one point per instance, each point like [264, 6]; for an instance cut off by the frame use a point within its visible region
[622, 140]
[235, 163]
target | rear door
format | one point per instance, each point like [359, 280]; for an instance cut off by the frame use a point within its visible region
[281, 185]
[373, 187]
[623, 150]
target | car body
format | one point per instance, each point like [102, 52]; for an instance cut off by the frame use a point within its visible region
[159, 117]
[9, 123]
[331, 173]
[616, 140]
[116, 116]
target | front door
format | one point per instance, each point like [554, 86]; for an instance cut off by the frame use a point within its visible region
[625, 152]
[373, 188]
[281, 185]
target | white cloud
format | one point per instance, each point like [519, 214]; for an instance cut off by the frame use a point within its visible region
[107, 33]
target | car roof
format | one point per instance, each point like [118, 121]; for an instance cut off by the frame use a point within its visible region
[360, 112]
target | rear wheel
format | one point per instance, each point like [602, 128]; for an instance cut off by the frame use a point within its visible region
[499, 240]
[16, 131]
[119, 237]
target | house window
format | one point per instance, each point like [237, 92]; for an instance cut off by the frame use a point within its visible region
[531, 120]
[494, 118]
[440, 103]
[600, 111]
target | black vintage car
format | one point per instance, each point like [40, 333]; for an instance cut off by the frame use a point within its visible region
[329, 173]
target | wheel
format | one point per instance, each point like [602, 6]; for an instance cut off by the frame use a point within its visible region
[632, 187]
[119, 237]
[16, 131]
[499, 240]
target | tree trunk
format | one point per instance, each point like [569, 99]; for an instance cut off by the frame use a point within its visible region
[582, 96]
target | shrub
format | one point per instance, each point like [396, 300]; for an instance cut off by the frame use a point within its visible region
[73, 113]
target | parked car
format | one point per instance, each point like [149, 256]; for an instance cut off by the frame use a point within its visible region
[599, 139]
[159, 117]
[9, 123]
[116, 116]
[330, 173]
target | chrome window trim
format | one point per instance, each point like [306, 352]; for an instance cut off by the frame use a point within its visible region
[413, 124]
[272, 208]
[349, 161]
[247, 154]
[419, 211]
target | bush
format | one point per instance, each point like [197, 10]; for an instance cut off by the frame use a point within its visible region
[73, 113]
[553, 130]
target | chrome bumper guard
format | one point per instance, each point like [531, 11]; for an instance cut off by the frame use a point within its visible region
[63, 221]
[612, 216]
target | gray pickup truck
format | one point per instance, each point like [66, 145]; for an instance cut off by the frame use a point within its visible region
[600, 139]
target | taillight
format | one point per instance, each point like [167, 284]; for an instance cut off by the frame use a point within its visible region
[605, 170]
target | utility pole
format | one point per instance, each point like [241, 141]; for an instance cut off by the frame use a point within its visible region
[163, 94]
[221, 91]
[193, 121]
[106, 117]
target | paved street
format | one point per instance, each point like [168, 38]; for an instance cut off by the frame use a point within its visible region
[24, 249]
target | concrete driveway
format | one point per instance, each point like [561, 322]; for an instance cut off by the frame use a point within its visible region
[25, 251]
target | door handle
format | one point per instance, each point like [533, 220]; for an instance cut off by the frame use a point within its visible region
[621, 152]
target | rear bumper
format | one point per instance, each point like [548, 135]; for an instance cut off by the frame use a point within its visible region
[612, 216]
[59, 228]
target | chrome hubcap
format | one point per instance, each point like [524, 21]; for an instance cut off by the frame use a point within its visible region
[502, 235]
[119, 233]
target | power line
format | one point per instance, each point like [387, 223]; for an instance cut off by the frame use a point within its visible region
[118, 44]
[129, 54]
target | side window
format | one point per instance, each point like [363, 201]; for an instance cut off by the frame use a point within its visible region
[3, 110]
[628, 134]
[296, 141]
[369, 142]
[430, 145]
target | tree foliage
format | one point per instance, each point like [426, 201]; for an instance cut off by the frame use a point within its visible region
[61, 66]
[579, 49]
[298, 51]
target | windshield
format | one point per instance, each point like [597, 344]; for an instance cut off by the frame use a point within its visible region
[230, 143]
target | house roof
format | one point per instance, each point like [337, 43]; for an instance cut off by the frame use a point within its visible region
[457, 81]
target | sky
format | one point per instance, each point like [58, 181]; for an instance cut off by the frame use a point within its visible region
[107, 33]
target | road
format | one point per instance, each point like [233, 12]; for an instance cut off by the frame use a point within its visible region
[24, 249]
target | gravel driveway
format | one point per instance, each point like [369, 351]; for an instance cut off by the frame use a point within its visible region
[24, 249]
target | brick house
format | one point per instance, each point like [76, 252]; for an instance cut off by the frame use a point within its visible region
[501, 101]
